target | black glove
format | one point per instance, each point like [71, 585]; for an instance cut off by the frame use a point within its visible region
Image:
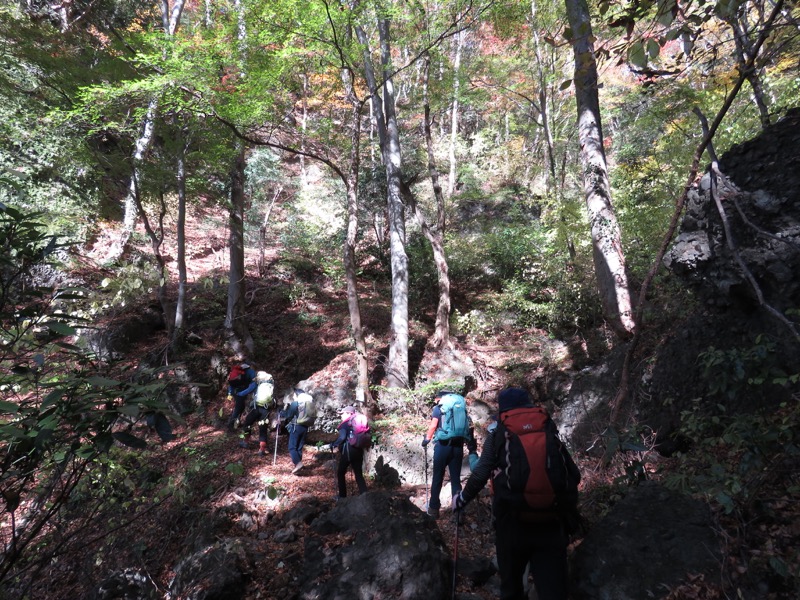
[458, 502]
[425, 441]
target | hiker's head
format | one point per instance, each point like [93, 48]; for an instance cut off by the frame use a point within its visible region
[263, 376]
[441, 394]
[513, 397]
[348, 411]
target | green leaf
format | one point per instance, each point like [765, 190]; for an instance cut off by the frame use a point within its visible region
[11, 431]
[127, 439]
[8, 407]
[779, 566]
[60, 328]
[565, 85]
[132, 410]
[98, 381]
[725, 501]
[653, 48]
[272, 492]
[666, 12]
[636, 55]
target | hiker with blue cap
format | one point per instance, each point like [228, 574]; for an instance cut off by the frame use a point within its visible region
[535, 487]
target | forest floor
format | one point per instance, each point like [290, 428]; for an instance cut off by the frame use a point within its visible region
[293, 355]
[300, 320]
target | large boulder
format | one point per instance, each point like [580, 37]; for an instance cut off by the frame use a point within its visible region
[375, 545]
[646, 545]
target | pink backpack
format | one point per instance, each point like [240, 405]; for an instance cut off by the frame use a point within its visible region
[360, 435]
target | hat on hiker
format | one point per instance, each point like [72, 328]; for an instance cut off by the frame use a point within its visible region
[349, 409]
[513, 398]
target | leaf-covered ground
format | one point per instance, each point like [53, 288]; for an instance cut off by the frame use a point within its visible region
[300, 322]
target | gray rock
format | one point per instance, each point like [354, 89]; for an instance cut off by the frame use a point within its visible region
[646, 544]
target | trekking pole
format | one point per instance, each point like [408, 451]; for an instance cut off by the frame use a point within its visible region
[455, 559]
[425, 449]
[277, 431]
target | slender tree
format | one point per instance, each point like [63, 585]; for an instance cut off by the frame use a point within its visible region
[435, 234]
[170, 18]
[609, 260]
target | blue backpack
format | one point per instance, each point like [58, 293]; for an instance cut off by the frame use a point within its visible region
[454, 422]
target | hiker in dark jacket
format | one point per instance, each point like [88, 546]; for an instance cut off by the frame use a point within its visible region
[521, 537]
[239, 391]
[349, 455]
[297, 431]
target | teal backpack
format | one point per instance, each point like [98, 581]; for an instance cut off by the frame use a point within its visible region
[454, 422]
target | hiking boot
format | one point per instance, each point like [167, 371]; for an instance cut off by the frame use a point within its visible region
[297, 467]
[433, 512]
[261, 453]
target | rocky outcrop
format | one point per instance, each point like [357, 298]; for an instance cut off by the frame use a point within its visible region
[760, 197]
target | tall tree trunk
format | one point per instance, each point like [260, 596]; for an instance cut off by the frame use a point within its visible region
[180, 305]
[130, 210]
[609, 260]
[303, 125]
[389, 140]
[363, 394]
[435, 235]
[544, 108]
[235, 324]
[451, 184]
[397, 366]
[350, 266]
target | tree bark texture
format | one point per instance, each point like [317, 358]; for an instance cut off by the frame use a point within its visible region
[235, 323]
[180, 305]
[350, 266]
[435, 235]
[609, 260]
[459, 40]
[397, 366]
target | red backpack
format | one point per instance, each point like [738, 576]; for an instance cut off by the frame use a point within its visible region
[535, 470]
[236, 376]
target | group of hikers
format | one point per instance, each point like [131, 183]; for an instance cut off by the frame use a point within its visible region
[298, 415]
[534, 480]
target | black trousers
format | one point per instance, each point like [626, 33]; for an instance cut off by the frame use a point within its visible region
[350, 456]
[543, 545]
